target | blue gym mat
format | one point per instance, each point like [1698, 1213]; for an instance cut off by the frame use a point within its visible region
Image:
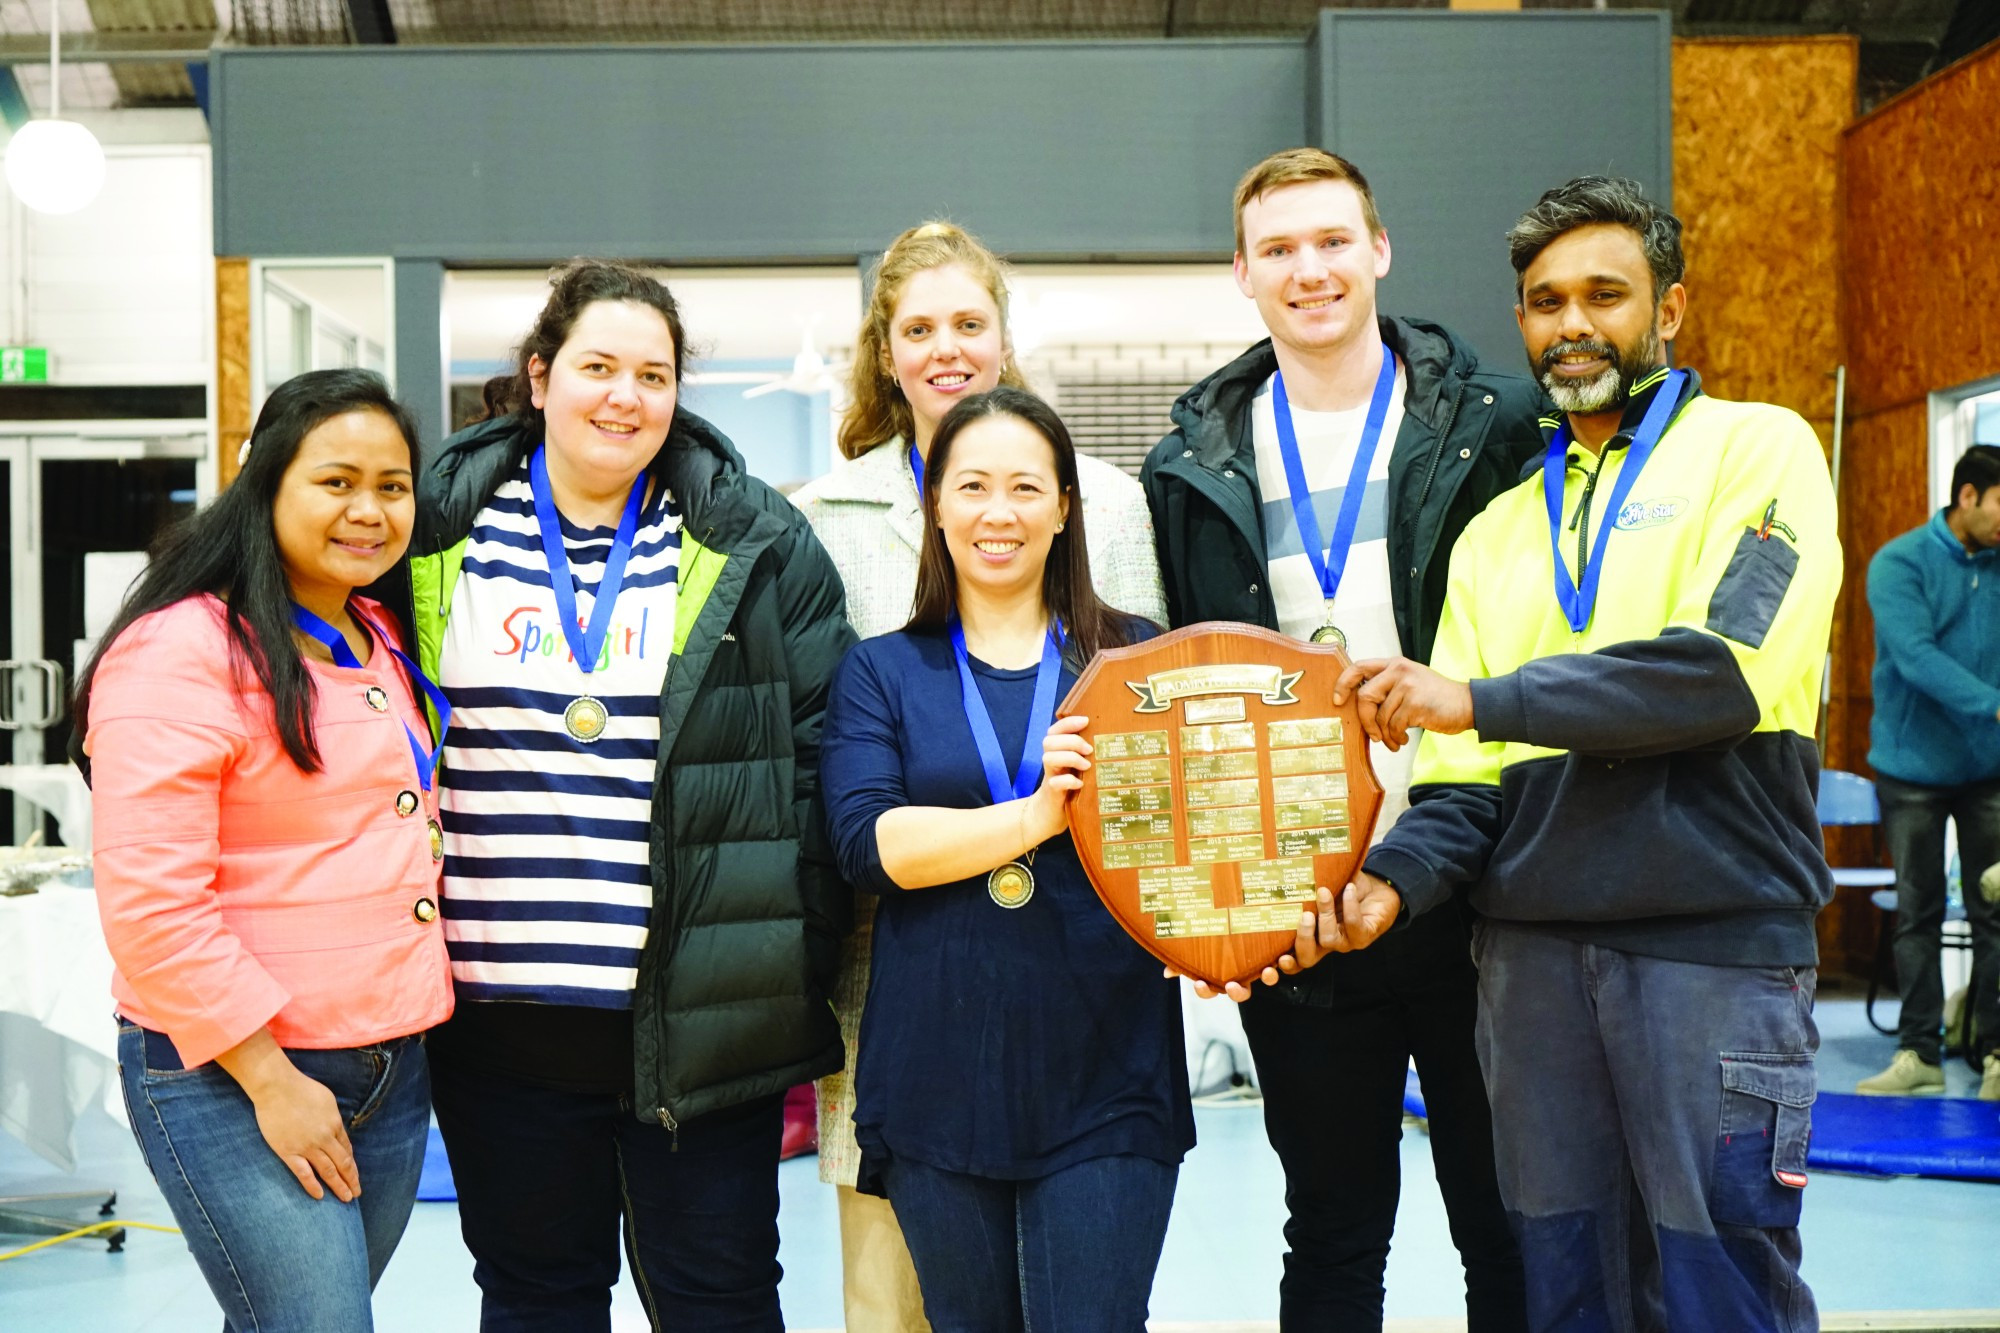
[434, 1185]
[1955, 1138]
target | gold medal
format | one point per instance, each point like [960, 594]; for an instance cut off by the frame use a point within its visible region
[1011, 885]
[1328, 632]
[437, 841]
[584, 719]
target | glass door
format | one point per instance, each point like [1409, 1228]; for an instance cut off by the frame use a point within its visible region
[79, 513]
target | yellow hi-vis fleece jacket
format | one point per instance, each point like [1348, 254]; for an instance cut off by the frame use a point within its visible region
[1647, 784]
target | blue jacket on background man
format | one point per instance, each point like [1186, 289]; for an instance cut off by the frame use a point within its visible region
[1937, 659]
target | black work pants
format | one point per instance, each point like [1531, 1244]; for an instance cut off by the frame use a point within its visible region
[1913, 820]
[550, 1182]
[1331, 1059]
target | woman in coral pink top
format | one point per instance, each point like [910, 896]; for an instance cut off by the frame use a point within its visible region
[267, 853]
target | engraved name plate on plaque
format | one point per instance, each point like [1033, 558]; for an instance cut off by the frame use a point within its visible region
[1224, 787]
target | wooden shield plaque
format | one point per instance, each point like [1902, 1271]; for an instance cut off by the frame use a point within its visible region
[1224, 788]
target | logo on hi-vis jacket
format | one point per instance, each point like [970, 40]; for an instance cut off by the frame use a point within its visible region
[1650, 513]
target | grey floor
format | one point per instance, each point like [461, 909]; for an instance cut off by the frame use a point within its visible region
[1871, 1245]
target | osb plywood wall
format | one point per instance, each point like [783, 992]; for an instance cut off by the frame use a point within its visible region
[1757, 139]
[1757, 186]
[1923, 314]
[232, 364]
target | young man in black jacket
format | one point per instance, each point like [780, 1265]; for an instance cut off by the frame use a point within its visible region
[1398, 412]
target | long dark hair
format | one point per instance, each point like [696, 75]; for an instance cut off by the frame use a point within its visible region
[231, 549]
[1089, 623]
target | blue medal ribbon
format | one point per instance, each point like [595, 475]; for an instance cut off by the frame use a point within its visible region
[1333, 563]
[1041, 713]
[343, 656]
[917, 471]
[1578, 603]
[584, 644]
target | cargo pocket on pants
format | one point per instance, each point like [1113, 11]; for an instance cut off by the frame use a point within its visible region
[1760, 1147]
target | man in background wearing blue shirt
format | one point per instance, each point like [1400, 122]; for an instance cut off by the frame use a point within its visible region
[1935, 592]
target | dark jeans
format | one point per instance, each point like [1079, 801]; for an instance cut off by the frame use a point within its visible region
[278, 1260]
[1074, 1251]
[548, 1180]
[1333, 1107]
[1650, 1122]
[1913, 826]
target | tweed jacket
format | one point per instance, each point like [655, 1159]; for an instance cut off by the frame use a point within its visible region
[865, 513]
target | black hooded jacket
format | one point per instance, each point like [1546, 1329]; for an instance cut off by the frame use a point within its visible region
[1466, 435]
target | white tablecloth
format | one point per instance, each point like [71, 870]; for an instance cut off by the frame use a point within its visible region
[58, 1040]
[58, 789]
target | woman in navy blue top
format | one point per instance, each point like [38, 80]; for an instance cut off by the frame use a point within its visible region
[1022, 1094]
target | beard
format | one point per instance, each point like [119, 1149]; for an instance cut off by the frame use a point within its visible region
[1607, 389]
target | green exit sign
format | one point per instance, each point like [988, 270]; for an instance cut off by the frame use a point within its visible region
[24, 365]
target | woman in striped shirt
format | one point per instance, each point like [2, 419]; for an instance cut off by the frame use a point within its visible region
[636, 636]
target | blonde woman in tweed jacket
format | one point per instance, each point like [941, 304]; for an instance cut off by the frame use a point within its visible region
[935, 333]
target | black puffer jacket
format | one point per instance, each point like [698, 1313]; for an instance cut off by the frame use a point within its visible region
[748, 911]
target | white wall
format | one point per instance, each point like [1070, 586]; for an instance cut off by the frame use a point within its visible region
[122, 291]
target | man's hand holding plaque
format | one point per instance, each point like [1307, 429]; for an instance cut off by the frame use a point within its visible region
[1355, 918]
[1395, 696]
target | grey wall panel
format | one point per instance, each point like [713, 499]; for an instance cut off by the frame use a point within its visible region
[720, 153]
[1053, 150]
[1462, 120]
[420, 353]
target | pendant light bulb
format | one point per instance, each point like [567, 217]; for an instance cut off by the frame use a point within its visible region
[55, 165]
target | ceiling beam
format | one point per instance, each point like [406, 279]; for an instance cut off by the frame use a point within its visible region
[1898, 32]
[372, 23]
[112, 48]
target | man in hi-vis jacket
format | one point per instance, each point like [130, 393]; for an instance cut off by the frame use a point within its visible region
[1617, 762]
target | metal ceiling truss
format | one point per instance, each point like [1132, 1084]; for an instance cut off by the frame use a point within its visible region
[156, 50]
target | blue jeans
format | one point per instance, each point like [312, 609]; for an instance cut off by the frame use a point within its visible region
[1074, 1251]
[278, 1260]
[1650, 1120]
[549, 1180]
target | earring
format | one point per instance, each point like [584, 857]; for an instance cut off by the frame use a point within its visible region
[1059, 527]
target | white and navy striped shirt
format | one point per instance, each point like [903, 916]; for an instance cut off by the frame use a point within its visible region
[1362, 606]
[547, 885]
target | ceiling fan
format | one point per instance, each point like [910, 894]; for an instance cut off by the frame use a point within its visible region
[810, 373]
